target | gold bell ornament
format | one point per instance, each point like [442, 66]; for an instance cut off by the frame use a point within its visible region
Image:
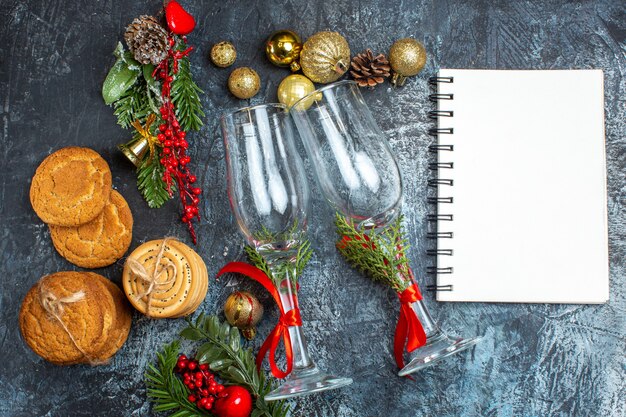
[294, 87]
[136, 149]
[407, 57]
[243, 311]
[325, 57]
[283, 49]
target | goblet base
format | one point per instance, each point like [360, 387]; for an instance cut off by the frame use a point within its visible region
[306, 381]
[436, 348]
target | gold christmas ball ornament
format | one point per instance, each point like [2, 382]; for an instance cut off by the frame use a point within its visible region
[325, 57]
[243, 311]
[244, 82]
[294, 87]
[407, 57]
[283, 49]
[223, 54]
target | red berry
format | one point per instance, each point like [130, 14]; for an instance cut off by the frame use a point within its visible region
[174, 163]
[167, 151]
[182, 363]
[192, 365]
[195, 200]
[184, 219]
[184, 144]
[171, 41]
[220, 388]
[204, 367]
[175, 124]
[162, 128]
[192, 398]
[196, 191]
[182, 134]
[168, 133]
[161, 138]
[202, 402]
[209, 404]
[166, 143]
[204, 392]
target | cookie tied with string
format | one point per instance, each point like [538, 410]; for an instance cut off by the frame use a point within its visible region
[74, 317]
[165, 278]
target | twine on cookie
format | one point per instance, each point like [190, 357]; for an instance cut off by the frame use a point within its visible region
[140, 272]
[54, 306]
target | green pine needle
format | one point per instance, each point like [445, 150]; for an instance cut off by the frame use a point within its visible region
[133, 105]
[379, 254]
[302, 259]
[185, 95]
[150, 182]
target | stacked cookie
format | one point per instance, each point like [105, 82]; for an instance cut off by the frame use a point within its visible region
[90, 224]
[75, 317]
[165, 278]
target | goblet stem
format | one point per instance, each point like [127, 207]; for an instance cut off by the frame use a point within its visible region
[305, 377]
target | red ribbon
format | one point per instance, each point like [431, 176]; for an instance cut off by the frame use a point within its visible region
[409, 330]
[288, 319]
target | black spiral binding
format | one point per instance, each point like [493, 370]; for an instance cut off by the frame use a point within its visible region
[439, 133]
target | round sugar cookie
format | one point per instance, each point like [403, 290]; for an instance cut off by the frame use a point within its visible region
[100, 242]
[70, 187]
[84, 319]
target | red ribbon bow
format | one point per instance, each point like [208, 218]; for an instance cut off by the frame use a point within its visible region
[288, 319]
[409, 330]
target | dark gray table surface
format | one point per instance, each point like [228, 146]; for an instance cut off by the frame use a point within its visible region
[536, 360]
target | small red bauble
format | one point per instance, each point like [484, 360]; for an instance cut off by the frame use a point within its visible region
[234, 401]
[178, 20]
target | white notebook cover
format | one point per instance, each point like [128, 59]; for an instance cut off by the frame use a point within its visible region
[529, 209]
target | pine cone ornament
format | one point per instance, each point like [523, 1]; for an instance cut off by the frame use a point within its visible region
[147, 40]
[369, 70]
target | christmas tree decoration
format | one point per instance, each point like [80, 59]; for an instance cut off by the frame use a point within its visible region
[151, 89]
[407, 57]
[325, 57]
[369, 70]
[234, 401]
[283, 49]
[147, 40]
[244, 83]
[294, 87]
[244, 311]
[178, 20]
[223, 54]
[220, 361]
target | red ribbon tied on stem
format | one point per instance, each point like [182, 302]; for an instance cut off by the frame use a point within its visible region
[409, 330]
[281, 330]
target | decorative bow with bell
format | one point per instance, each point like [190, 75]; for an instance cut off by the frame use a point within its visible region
[144, 132]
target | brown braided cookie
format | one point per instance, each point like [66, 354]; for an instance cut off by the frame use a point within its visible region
[100, 242]
[71, 187]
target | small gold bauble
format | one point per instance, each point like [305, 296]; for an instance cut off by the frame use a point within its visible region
[283, 49]
[407, 57]
[294, 87]
[325, 57]
[243, 311]
[223, 54]
[244, 82]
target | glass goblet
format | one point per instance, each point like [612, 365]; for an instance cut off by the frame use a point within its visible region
[359, 176]
[269, 196]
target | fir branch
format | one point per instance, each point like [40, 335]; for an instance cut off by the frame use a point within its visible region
[166, 390]
[185, 95]
[133, 105]
[379, 254]
[226, 357]
[150, 182]
[303, 257]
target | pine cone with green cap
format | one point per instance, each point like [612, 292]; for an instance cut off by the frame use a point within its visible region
[147, 40]
[369, 70]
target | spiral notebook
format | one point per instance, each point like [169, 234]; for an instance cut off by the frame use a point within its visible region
[521, 186]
